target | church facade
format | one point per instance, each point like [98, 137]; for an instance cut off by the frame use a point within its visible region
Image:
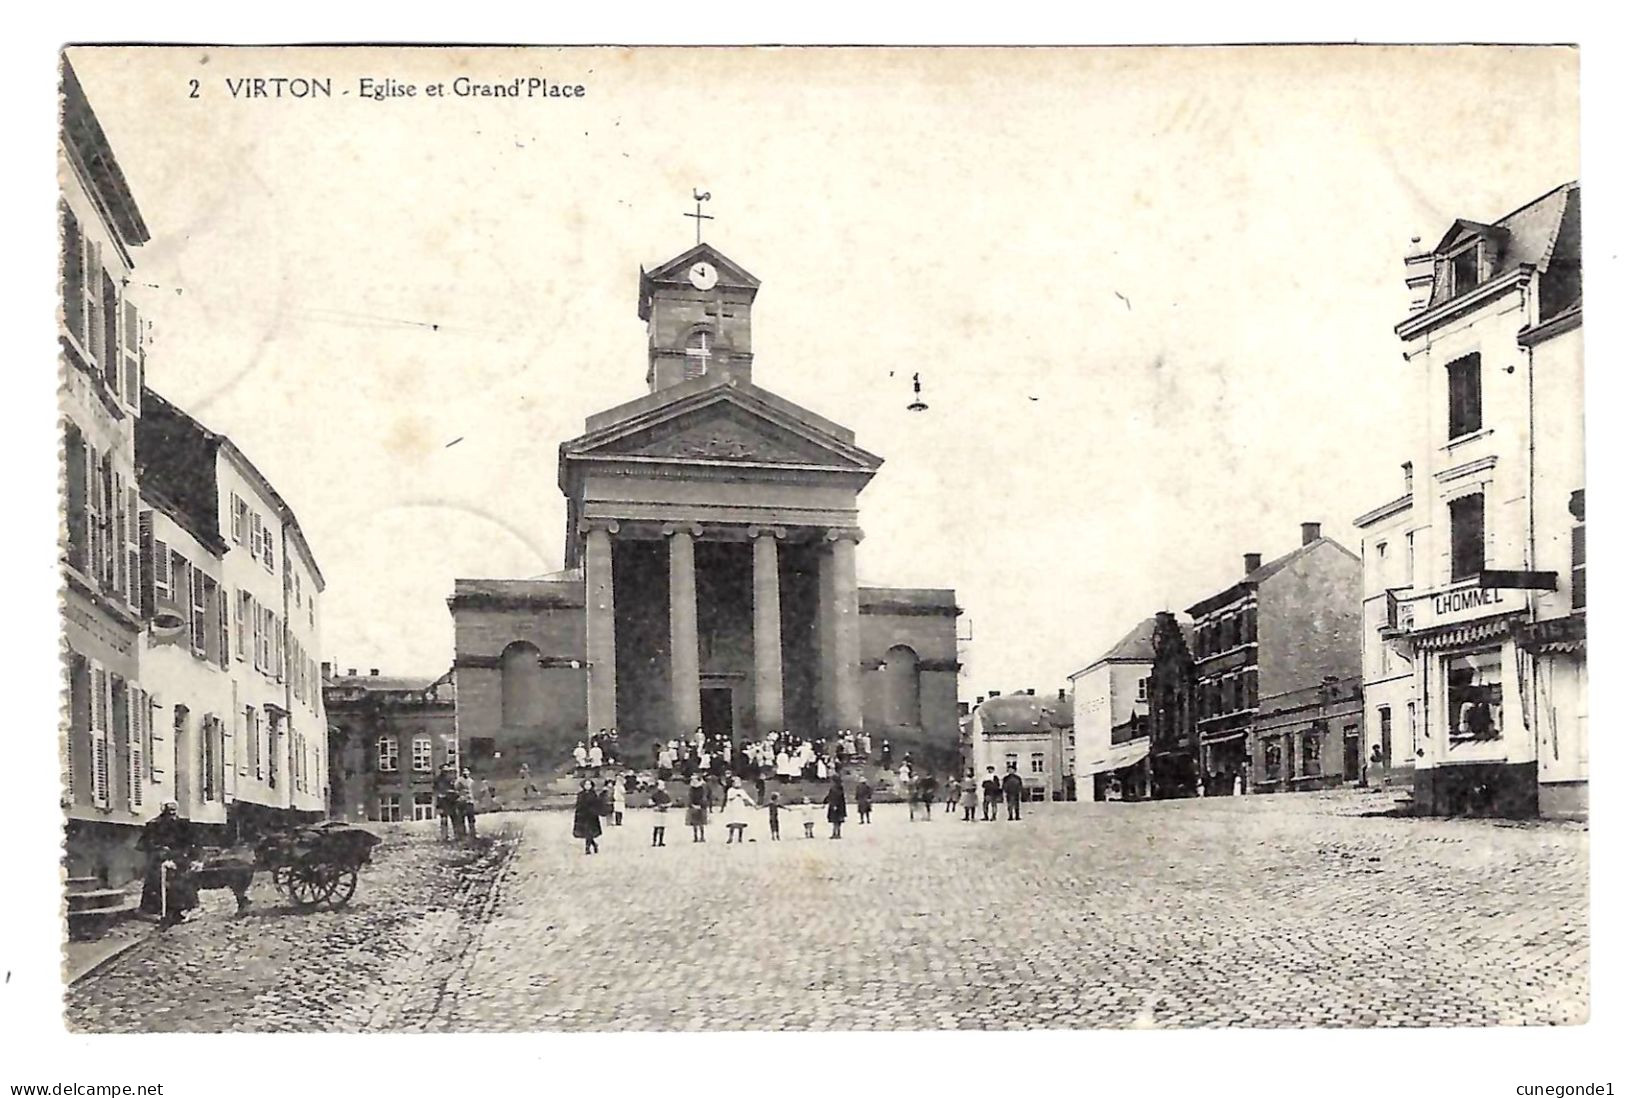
[710, 575]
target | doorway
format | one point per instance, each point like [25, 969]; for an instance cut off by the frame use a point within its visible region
[717, 712]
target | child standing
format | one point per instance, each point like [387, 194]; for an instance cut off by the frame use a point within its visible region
[660, 801]
[773, 816]
[866, 798]
[970, 795]
[618, 801]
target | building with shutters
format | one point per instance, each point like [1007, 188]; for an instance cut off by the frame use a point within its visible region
[1489, 611]
[1285, 627]
[388, 736]
[108, 788]
[259, 748]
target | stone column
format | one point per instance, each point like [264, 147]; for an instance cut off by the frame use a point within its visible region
[826, 641]
[685, 629]
[600, 585]
[843, 638]
[767, 635]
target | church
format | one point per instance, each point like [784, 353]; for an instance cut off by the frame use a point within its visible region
[710, 571]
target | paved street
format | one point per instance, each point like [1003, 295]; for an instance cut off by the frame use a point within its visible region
[1270, 911]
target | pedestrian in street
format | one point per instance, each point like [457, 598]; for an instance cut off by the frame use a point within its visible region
[660, 802]
[699, 805]
[167, 842]
[445, 801]
[866, 798]
[618, 801]
[951, 801]
[992, 794]
[970, 795]
[927, 785]
[773, 807]
[1012, 794]
[466, 805]
[836, 800]
[587, 823]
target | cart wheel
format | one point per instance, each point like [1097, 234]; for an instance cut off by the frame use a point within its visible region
[309, 883]
[344, 882]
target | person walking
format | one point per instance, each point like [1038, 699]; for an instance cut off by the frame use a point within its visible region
[466, 805]
[866, 798]
[699, 805]
[992, 794]
[660, 802]
[970, 795]
[773, 807]
[167, 842]
[927, 785]
[445, 801]
[588, 825]
[836, 800]
[1012, 794]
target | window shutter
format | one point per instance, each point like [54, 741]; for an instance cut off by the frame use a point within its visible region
[91, 283]
[147, 566]
[223, 623]
[73, 276]
[99, 708]
[242, 604]
[112, 364]
[93, 508]
[134, 573]
[132, 356]
[137, 757]
[256, 537]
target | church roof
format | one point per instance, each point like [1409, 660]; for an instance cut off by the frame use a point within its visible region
[741, 424]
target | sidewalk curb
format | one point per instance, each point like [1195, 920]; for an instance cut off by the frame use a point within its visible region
[108, 958]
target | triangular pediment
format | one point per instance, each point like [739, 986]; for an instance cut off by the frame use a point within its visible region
[723, 425]
[729, 273]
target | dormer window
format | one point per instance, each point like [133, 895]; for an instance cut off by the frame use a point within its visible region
[697, 354]
[1464, 270]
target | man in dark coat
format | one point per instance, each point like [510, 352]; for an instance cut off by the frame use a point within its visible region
[992, 793]
[1012, 794]
[166, 838]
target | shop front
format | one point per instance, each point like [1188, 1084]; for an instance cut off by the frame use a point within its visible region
[1475, 751]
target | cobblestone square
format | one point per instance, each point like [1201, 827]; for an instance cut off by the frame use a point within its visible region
[1263, 911]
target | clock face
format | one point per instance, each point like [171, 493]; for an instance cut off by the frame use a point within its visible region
[703, 276]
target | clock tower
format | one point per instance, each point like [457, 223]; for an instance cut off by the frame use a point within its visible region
[697, 307]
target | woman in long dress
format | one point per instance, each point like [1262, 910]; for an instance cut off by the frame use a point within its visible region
[588, 825]
[836, 800]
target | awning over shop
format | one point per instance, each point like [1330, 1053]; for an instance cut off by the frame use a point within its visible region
[1119, 756]
[1454, 636]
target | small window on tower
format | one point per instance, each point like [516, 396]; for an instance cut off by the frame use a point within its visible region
[697, 355]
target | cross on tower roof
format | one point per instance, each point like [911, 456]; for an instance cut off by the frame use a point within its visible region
[699, 218]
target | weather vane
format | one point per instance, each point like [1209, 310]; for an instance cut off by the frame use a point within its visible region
[699, 218]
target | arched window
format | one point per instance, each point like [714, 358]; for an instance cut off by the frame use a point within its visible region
[902, 673]
[522, 700]
[697, 353]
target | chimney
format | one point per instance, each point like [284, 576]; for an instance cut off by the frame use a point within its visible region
[1408, 474]
[1251, 562]
[375, 672]
[992, 693]
[1061, 694]
[352, 672]
[1031, 692]
[1418, 275]
[1311, 532]
[980, 699]
[327, 669]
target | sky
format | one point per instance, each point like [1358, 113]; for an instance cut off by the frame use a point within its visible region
[1150, 294]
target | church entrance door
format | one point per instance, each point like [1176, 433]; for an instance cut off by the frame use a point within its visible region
[717, 712]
